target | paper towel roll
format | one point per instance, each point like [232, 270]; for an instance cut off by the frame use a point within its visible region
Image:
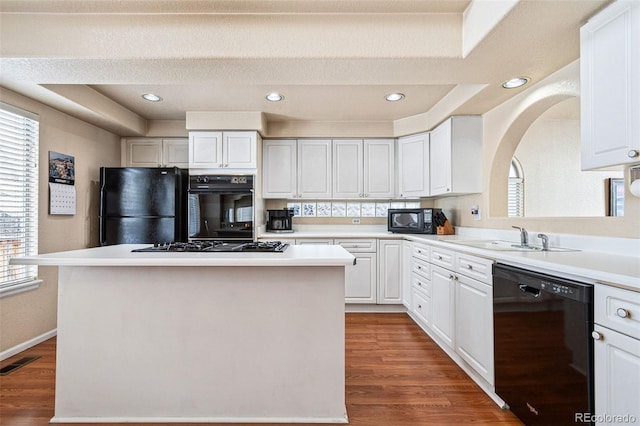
[635, 187]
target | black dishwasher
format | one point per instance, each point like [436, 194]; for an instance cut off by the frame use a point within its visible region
[543, 346]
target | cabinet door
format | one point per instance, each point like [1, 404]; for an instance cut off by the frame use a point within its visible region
[440, 146]
[389, 272]
[379, 168]
[143, 153]
[239, 150]
[360, 279]
[205, 150]
[609, 86]
[617, 374]
[413, 166]
[442, 304]
[347, 168]
[314, 168]
[279, 169]
[175, 153]
[474, 325]
[407, 250]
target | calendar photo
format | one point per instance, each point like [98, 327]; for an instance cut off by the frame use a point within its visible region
[61, 168]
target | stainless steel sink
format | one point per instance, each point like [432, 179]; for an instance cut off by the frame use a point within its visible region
[498, 245]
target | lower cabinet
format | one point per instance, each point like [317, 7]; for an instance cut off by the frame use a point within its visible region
[443, 304]
[452, 299]
[390, 272]
[616, 355]
[474, 325]
[405, 273]
[361, 278]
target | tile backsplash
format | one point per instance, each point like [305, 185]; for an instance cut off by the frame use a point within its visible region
[340, 211]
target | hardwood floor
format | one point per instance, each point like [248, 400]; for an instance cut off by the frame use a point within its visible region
[395, 376]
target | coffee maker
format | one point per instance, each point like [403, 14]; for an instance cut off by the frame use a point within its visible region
[280, 220]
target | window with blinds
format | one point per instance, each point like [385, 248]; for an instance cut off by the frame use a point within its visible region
[18, 193]
[515, 190]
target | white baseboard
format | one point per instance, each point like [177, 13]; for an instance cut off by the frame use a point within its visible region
[28, 344]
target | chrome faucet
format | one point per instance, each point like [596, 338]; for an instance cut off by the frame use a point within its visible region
[524, 236]
[545, 241]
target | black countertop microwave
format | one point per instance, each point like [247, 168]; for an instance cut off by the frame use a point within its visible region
[412, 221]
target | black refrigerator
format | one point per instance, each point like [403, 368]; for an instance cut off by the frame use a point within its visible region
[143, 205]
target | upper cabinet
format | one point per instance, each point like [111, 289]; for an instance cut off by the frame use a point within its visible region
[610, 88]
[223, 151]
[296, 169]
[363, 168]
[413, 166]
[456, 156]
[155, 152]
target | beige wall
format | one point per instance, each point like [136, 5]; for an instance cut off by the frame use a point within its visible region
[504, 126]
[28, 315]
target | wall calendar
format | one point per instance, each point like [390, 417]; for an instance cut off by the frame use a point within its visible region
[62, 190]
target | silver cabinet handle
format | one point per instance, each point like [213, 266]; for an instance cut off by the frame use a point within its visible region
[439, 257]
[596, 335]
[450, 276]
[469, 267]
[419, 306]
[633, 153]
[623, 313]
[455, 278]
[419, 251]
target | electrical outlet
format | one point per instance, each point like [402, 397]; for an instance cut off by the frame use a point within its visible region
[355, 221]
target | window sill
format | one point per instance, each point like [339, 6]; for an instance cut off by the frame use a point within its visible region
[20, 288]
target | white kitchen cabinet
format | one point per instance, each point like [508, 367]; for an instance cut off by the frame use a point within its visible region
[296, 168]
[609, 86]
[474, 325]
[279, 168]
[361, 278]
[616, 353]
[155, 152]
[224, 152]
[413, 166]
[314, 168]
[443, 304]
[363, 168]
[406, 273]
[389, 273]
[456, 156]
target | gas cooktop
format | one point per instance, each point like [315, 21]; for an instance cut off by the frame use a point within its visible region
[217, 247]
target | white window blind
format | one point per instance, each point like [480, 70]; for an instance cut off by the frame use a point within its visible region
[18, 193]
[515, 190]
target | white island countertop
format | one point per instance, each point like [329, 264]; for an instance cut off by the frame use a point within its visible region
[122, 255]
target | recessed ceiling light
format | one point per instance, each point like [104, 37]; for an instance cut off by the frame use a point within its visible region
[274, 97]
[151, 97]
[515, 82]
[394, 97]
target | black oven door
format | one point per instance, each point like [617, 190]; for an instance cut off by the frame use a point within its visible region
[221, 215]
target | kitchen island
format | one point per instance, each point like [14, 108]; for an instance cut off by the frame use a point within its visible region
[199, 337]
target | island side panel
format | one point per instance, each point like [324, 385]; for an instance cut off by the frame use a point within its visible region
[205, 343]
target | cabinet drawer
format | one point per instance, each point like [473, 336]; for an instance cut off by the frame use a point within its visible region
[617, 309]
[421, 267]
[358, 246]
[442, 257]
[474, 267]
[323, 241]
[420, 305]
[421, 252]
[419, 282]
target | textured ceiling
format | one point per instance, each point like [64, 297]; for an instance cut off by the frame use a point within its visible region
[332, 60]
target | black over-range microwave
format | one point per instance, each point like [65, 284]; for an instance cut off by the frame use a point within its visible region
[412, 221]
